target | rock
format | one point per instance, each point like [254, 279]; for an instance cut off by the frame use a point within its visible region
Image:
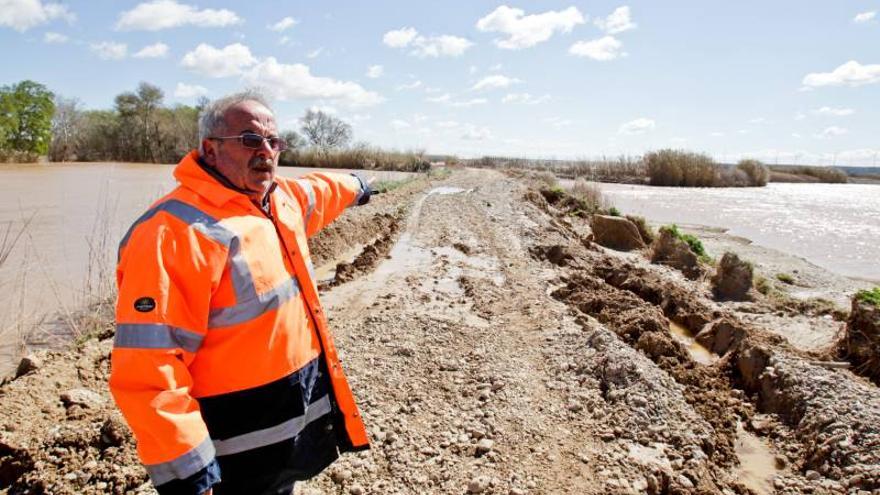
[685, 482]
[616, 233]
[27, 364]
[733, 278]
[478, 484]
[341, 476]
[485, 445]
[356, 490]
[862, 344]
[82, 397]
[113, 432]
[672, 251]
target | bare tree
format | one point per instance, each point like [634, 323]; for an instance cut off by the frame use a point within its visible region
[66, 128]
[325, 131]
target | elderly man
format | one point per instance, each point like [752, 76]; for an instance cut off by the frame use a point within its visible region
[222, 364]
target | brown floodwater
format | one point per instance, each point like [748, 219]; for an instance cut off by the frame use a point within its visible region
[75, 215]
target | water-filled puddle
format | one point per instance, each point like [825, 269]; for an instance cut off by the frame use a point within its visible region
[757, 463]
[698, 353]
[446, 190]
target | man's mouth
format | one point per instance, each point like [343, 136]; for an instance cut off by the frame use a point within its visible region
[261, 166]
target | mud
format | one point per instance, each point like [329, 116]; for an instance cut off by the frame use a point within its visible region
[493, 348]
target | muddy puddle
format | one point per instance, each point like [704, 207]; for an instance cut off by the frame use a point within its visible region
[757, 463]
[697, 351]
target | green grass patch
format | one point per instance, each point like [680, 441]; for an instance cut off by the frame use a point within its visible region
[869, 296]
[614, 212]
[785, 278]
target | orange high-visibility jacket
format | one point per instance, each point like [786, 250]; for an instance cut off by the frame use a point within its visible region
[219, 327]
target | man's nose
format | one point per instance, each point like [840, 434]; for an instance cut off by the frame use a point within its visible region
[265, 148]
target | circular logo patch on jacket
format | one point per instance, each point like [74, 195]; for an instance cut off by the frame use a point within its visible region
[145, 304]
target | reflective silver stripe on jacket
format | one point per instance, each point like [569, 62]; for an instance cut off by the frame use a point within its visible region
[274, 434]
[184, 466]
[155, 336]
[308, 188]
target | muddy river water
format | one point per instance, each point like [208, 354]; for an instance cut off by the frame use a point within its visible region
[835, 226]
[75, 215]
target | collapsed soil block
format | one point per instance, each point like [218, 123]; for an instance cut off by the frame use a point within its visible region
[616, 233]
[863, 338]
[672, 251]
[733, 278]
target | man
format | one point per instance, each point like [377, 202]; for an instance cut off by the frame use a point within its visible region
[222, 364]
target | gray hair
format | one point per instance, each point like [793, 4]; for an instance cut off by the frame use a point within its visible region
[212, 119]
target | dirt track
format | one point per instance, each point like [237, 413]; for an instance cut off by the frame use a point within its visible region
[497, 351]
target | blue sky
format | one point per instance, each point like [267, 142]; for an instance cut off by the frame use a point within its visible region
[782, 81]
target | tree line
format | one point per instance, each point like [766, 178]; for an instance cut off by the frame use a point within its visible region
[140, 127]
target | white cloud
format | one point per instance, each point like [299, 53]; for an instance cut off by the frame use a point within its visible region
[22, 15]
[494, 81]
[602, 49]
[834, 112]
[435, 46]
[470, 103]
[474, 133]
[800, 116]
[444, 98]
[287, 22]
[398, 124]
[757, 120]
[54, 38]
[796, 135]
[166, 14]
[324, 109]
[618, 22]
[716, 134]
[864, 17]
[295, 81]
[524, 98]
[157, 50]
[400, 38]
[447, 124]
[851, 73]
[412, 85]
[558, 122]
[228, 61]
[742, 131]
[184, 90]
[108, 50]
[524, 31]
[314, 53]
[375, 71]
[472, 69]
[637, 126]
[495, 68]
[831, 132]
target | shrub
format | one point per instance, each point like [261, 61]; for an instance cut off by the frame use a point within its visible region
[613, 211]
[763, 286]
[869, 296]
[589, 194]
[757, 173]
[359, 157]
[681, 168]
[546, 179]
[785, 278]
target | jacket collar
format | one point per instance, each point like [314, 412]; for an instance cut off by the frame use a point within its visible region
[212, 186]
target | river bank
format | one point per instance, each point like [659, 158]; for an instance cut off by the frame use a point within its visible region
[493, 348]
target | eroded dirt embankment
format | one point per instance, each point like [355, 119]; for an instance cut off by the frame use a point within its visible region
[494, 349]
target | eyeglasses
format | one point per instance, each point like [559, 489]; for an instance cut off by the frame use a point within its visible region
[255, 141]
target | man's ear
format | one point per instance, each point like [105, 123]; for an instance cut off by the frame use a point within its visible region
[209, 152]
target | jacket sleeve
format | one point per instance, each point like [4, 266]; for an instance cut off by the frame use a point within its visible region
[166, 274]
[323, 196]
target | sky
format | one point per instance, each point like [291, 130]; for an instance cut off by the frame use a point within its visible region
[783, 81]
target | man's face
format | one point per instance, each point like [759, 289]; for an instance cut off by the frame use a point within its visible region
[247, 168]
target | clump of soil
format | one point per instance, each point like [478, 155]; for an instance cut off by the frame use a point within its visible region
[372, 254]
[671, 251]
[862, 342]
[616, 233]
[733, 278]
